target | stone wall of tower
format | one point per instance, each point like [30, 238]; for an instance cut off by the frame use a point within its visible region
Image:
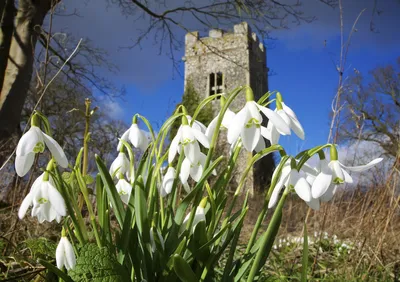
[241, 58]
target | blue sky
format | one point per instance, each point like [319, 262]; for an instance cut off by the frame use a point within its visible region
[304, 66]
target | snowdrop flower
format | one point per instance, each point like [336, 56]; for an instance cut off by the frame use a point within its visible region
[199, 216]
[168, 180]
[33, 142]
[197, 124]
[226, 120]
[247, 125]
[289, 118]
[188, 138]
[335, 173]
[124, 189]
[193, 170]
[290, 177]
[65, 255]
[48, 204]
[120, 164]
[136, 136]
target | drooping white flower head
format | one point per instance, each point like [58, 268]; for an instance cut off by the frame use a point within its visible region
[166, 187]
[33, 142]
[138, 137]
[226, 121]
[334, 173]
[120, 164]
[124, 189]
[48, 204]
[289, 117]
[194, 170]
[65, 256]
[290, 177]
[188, 138]
[247, 125]
[199, 216]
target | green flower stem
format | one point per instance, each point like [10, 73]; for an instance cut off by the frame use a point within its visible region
[213, 209]
[268, 237]
[86, 137]
[92, 216]
[152, 192]
[334, 153]
[256, 228]
[79, 225]
[214, 139]
[162, 214]
[35, 121]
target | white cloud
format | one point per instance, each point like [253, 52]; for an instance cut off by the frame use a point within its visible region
[113, 109]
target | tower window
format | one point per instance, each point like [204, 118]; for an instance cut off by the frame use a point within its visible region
[216, 83]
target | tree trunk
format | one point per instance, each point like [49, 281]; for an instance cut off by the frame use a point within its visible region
[16, 71]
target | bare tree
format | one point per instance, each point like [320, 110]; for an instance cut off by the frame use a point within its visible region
[372, 108]
[21, 27]
[18, 37]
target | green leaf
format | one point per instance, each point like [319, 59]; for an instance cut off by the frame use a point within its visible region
[183, 270]
[111, 191]
[305, 256]
[66, 176]
[97, 265]
[141, 210]
[88, 179]
[55, 270]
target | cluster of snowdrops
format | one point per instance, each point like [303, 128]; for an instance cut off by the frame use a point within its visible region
[166, 232]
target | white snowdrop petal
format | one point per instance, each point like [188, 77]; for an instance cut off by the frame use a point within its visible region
[56, 151]
[347, 177]
[196, 171]
[168, 182]
[135, 135]
[185, 170]
[201, 137]
[250, 136]
[254, 111]
[173, 148]
[321, 183]
[60, 254]
[56, 200]
[228, 117]
[26, 203]
[29, 140]
[278, 187]
[124, 137]
[24, 163]
[362, 167]
[303, 189]
[211, 128]
[144, 141]
[314, 204]
[276, 119]
[288, 111]
[297, 128]
[238, 123]
[192, 151]
[330, 192]
[337, 171]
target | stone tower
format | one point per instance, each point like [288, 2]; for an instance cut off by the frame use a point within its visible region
[218, 64]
